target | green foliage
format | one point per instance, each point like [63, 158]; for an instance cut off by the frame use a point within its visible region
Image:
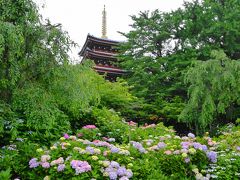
[9, 123]
[15, 157]
[148, 131]
[115, 95]
[78, 90]
[107, 121]
[5, 175]
[42, 120]
[156, 71]
[30, 52]
[39, 108]
[75, 89]
[162, 46]
[30, 49]
[213, 91]
[90, 134]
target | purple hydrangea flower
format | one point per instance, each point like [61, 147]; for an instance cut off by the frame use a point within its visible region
[161, 145]
[187, 160]
[212, 156]
[45, 165]
[124, 178]
[112, 175]
[138, 146]
[176, 152]
[66, 136]
[184, 151]
[142, 150]
[33, 163]
[60, 167]
[204, 148]
[238, 148]
[110, 169]
[197, 145]
[185, 145]
[191, 135]
[101, 143]
[33, 160]
[90, 150]
[114, 164]
[129, 173]
[74, 164]
[79, 170]
[121, 171]
[114, 149]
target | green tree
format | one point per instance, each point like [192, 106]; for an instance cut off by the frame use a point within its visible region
[155, 65]
[162, 46]
[213, 92]
[30, 49]
[211, 24]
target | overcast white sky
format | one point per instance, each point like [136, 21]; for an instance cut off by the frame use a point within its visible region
[80, 17]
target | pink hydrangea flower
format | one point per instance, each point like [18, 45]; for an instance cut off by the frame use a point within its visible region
[79, 135]
[105, 153]
[105, 138]
[89, 127]
[168, 152]
[80, 166]
[45, 165]
[148, 126]
[131, 123]
[66, 136]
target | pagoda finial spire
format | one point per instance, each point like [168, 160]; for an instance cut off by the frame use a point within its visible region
[104, 23]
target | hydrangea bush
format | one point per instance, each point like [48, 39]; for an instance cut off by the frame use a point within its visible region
[172, 156]
[148, 152]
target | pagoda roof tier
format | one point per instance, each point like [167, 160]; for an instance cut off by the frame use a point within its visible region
[98, 54]
[108, 69]
[92, 39]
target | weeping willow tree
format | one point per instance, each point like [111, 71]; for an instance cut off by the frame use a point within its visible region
[214, 93]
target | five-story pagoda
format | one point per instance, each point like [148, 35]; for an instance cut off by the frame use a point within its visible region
[103, 52]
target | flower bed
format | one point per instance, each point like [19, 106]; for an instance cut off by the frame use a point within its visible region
[148, 152]
[167, 156]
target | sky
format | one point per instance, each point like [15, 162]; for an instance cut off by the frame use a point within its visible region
[80, 17]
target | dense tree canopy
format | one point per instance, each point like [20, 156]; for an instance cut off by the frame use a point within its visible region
[162, 46]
